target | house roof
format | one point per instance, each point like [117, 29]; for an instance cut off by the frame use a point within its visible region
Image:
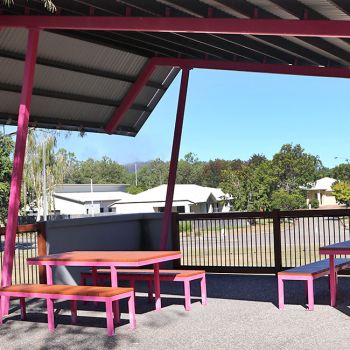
[84, 197]
[182, 193]
[323, 184]
[83, 76]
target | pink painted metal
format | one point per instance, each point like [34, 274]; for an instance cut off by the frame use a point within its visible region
[174, 158]
[253, 67]
[23, 309]
[110, 259]
[148, 275]
[278, 27]
[18, 162]
[73, 308]
[130, 97]
[74, 298]
[342, 248]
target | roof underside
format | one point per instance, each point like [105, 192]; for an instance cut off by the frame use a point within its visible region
[83, 76]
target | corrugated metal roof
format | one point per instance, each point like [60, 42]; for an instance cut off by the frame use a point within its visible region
[82, 76]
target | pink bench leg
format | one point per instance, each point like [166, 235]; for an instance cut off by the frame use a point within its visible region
[157, 287]
[50, 315]
[132, 316]
[109, 315]
[280, 293]
[204, 290]
[23, 309]
[73, 308]
[116, 316]
[310, 293]
[150, 291]
[187, 289]
[1, 315]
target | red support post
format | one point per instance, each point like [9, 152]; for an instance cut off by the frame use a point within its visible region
[21, 139]
[130, 97]
[174, 158]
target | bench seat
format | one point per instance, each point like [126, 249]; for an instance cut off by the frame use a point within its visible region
[108, 295]
[132, 275]
[308, 273]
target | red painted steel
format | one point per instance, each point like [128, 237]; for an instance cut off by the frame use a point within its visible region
[279, 27]
[130, 97]
[254, 67]
[21, 138]
[174, 158]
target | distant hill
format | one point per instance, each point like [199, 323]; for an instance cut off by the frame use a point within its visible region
[131, 166]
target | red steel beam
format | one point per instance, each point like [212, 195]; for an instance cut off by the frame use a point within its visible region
[221, 65]
[254, 67]
[130, 96]
[18, 162]
[174, 158]
[280, 27]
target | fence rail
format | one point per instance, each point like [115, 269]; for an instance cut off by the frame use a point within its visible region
[257, 241]
[30, 242]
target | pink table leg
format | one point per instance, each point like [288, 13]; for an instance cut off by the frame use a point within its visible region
[74, 312]
[157, 287]
[280, 293]
[49, 274]
[23, 309]
[332, 280]
[114, 283]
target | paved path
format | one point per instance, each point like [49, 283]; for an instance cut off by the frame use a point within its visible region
[241, 314]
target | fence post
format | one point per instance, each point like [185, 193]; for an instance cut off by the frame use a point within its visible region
[42, 249]
[175, 237]
[277, 239]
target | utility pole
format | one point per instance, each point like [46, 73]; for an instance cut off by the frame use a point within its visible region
[92, 200]
[135, 174]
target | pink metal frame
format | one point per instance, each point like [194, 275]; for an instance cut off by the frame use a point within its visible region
[278, 27]
[332, 269]
[17, 171]
[132, 277]
[109, 301]
[318, 28]
[112, 265]
[174, 158]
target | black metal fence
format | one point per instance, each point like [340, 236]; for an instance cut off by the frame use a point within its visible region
[257, 241]
[29, 243]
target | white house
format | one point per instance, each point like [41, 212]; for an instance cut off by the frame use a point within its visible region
[78, 199]
[322, 191]
[187, 199]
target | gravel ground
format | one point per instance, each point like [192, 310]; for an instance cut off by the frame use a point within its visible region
[241, 314]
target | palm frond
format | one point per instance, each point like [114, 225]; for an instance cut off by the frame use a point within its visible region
[48, 4]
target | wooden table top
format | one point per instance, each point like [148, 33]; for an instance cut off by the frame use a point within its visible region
[107, 256]
[337, 246]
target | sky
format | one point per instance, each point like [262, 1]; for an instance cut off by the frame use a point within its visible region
[233, 115]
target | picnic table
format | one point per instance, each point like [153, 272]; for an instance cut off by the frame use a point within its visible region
[332, 250]
[110, 259]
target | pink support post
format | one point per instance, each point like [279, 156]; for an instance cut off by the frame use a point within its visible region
[18, 162]
[310, 293]
[280, 293]
[109, 315]
[23, 309]
[187, 290]
[50, 315]
[150, 291]
[332, 280]
[132, 316]
[114, 283]
[157, 287]
[174, 158]
[74, 313]
[204, 290]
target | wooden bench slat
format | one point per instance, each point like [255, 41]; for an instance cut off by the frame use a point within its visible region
[97, 291]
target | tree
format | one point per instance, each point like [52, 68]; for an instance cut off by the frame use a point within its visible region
[342, 172]
[6, 148]
[341, 191]
[153, 174]
[284, 200]
[48, 4]
[295, 168]
[190, 170]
